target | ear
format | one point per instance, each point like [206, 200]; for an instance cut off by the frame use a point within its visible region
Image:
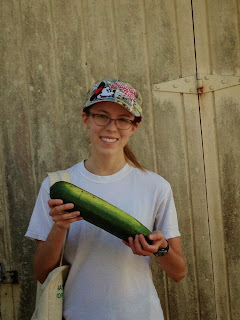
[134, 127]
[85, 119]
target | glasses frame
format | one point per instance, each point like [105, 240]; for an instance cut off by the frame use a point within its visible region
[131, 122]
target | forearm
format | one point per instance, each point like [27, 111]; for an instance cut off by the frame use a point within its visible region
[173, 264]
[48, 253]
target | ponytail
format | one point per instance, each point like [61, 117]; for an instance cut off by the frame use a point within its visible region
[130, 157]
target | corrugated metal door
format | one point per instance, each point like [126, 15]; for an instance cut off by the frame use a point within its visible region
[179, 154]
[217, 31]
[53, 51]
[214, 217]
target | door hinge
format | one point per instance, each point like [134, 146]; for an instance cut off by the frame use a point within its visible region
[8, 277]
[198, 84]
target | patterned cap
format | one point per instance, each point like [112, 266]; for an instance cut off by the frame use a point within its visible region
[116, 91]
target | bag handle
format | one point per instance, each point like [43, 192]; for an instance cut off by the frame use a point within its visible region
[60, 175]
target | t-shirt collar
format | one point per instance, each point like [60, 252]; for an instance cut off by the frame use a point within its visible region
[105, 179]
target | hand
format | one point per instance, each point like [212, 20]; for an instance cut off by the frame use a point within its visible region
[59, 215]
[140, 246]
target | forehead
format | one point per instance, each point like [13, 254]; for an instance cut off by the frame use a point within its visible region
[111, 108]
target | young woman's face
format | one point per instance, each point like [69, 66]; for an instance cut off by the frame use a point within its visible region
[108, 140]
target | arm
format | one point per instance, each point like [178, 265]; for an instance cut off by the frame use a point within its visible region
[48, 252]
[173, 263]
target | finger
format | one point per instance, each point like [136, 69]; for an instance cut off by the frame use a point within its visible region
[71, 215]
[74, 219]
[65, 224]
[143, 248]
[156, 235]
[147, 247]
[137, 243]
[126, 243]
[138, 246]
[66, 216]
[61, 208]
[54, 202]
[131, 244]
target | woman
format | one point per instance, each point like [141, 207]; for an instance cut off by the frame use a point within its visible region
[109, 278]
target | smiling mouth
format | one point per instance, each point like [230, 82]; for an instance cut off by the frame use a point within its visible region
[110, 140]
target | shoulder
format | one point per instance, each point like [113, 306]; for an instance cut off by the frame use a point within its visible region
[72, 171]
[78, 167]
[150, 178]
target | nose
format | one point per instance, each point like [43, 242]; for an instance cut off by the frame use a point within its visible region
[112, 125]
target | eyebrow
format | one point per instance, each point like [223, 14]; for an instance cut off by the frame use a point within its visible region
[121, 115]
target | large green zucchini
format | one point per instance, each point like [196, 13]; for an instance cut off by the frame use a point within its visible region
[99, 212]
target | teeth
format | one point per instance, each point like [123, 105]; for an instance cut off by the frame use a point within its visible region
[109, 140]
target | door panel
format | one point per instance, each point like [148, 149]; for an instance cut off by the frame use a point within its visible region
[217, 52]
[7, 310]
[180, 157]
[179, 154]
[228, 139]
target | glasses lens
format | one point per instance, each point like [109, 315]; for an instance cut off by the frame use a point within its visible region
[101, 120]
[123, 124]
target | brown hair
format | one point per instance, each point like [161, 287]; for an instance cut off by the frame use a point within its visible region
[130, 157]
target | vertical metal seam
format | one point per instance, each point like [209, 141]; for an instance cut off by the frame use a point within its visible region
[199, 102]
[7, 248]
[238, 23]
[146, 46]
[56, 69]
[206, 194]
[223, 235]
[84, 51]
[189, 189]
[178, 40]
[187, 162]
[204, 167]
[115, 51]
[148, 73]
[209, 38]
[33, 165]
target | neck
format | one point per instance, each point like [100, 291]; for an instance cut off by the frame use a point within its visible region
[104, 166]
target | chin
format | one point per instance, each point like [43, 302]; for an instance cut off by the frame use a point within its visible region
[108, 152]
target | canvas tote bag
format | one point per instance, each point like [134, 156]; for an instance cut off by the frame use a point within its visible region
[49, 300]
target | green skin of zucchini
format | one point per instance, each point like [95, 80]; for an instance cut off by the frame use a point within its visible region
[99, 212]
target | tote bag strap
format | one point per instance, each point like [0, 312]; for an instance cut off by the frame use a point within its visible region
[60, 175]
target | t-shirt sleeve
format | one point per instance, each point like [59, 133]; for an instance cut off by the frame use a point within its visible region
[41, 222]
[166, 219]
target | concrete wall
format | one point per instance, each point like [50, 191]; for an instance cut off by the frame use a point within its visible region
[52, 52]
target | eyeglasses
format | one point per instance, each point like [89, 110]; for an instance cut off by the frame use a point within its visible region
[103, 120]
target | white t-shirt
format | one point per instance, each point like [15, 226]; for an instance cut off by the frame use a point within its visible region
[106, 280]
